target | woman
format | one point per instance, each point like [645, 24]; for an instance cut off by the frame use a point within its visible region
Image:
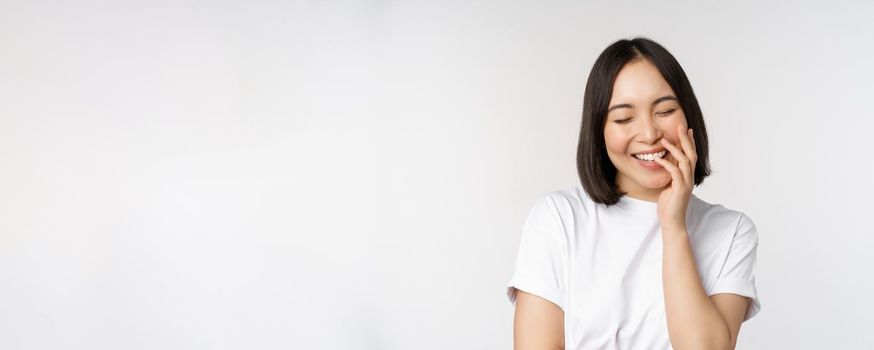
[631, 259]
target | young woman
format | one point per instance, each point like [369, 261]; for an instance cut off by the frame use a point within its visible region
[631, 259]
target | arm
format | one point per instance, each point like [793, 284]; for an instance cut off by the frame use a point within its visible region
[733, 308]
[696, 321]
[537, 324]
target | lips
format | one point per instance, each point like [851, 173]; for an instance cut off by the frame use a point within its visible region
[650, 157]
[654, 150]
[648, 165]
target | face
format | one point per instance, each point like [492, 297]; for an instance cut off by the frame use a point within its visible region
[643, 110]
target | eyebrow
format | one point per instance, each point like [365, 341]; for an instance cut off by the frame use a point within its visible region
[627, 105]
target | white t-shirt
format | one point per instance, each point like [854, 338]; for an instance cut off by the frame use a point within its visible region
[603, 265]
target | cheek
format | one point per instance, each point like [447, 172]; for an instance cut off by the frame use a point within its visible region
[615, 140]
[670, 128]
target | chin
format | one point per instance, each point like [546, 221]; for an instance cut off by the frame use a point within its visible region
[657, 182]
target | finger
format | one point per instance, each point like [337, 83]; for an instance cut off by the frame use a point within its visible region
[694, 145]
[682, 161]
[688, 148]
[673, 170]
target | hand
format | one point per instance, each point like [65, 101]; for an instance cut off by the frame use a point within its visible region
[674, 199]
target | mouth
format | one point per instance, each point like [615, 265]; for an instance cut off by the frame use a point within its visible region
[650, 157]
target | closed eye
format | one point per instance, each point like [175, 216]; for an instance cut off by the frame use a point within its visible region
[622, 121]
[626, 120]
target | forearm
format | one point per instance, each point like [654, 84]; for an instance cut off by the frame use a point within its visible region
[694, 322]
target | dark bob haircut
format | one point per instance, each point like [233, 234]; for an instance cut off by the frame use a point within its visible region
[596, 171]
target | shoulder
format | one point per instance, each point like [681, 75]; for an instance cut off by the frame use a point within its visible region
[567, 201]
[717, 215]
[559, 210]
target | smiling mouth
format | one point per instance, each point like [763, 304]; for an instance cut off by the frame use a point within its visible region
[651, 156]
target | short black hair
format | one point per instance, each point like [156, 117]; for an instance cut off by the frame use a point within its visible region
[596, 172]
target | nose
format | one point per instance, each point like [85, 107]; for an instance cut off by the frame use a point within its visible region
[649, 131]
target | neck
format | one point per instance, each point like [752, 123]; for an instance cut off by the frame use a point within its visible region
[647, 196]
[634, 190]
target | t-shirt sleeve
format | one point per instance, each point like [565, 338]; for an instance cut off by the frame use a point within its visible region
[542, 256]
[738, 272]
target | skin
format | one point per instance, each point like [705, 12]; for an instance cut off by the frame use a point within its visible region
[634, 125]
[537, 324]
[695, 321]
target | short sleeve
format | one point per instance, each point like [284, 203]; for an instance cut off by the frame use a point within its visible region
[737, 275]
[541, 259]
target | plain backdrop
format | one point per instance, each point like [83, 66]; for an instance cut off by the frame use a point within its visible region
[355, 174]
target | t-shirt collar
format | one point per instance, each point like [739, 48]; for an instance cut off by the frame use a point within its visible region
[638, 206]
[645, 208]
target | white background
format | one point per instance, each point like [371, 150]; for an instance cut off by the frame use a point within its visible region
[355, 175]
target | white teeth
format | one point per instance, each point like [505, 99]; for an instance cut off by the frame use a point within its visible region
[651, 156]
